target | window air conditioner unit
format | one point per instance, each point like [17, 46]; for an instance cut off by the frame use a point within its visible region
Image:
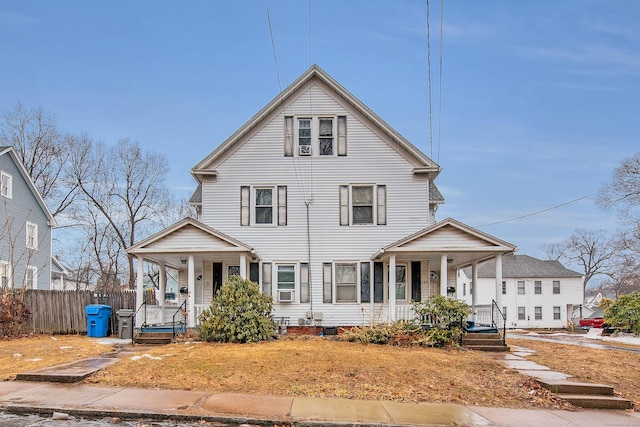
[304, 150]
[285, 296]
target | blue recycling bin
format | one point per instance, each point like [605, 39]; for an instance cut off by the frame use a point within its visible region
[98, 320]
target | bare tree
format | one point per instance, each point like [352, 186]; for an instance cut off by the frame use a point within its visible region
[623, 191]
[591, 250]
[126, 188]
[43, 150]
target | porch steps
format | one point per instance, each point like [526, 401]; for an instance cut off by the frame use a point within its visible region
[484, 342]
[153, 338]
[586, 395]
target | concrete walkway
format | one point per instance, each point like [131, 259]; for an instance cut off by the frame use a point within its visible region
[79, 399]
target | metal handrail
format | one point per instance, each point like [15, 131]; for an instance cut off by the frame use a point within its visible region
[494, 306]
[133, 321]
[181, 309]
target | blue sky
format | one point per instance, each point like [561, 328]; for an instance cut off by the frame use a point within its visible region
[539, 99]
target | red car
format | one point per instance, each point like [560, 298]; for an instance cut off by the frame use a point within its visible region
[595, 322]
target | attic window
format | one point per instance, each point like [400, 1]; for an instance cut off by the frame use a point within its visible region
[5, 185]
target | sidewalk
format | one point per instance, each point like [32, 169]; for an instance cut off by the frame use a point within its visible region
[90, 401]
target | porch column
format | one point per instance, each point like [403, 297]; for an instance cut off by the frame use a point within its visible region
[139, 289]
[444, 267]
[191, 285]
[162, 287]
[474, 287]
[499, 281]
[392, 288]
[243, 266]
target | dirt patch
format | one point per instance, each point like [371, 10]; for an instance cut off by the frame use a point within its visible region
[321, 367]
[41, 351]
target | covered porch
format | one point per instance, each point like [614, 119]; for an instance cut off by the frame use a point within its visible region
[433, 257]
[204, 259]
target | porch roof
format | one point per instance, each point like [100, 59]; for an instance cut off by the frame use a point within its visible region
[463, 244]
[172, 245]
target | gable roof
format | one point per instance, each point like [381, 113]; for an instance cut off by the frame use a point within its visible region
[188, 236]
[524, 266]
[423, 163]
[463, 244]
[25, 175]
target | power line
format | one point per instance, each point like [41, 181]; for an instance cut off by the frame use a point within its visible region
[440, 78]
[538, 212]
[429, 79]
[284, 61]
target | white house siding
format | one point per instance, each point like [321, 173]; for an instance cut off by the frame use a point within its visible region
[570, 296]
[260, 160]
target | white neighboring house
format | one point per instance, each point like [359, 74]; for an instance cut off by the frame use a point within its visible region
[326, 207]
[60, 275]
[535, 293]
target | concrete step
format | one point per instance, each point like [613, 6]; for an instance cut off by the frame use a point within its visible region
[596, 402]
[569, 387]
[470, 341]
[154, 338]
[482, 335]
[496, 348]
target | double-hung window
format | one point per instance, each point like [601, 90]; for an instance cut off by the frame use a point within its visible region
[537, 286]
[6, 189]
[286, 282]
[556, 313]
[30, 279]
[32, 235]
[521, 313]
[538, 313]
[346, 282]
[556, 287]
[362, 204]
[5, 272]
[401, 282]
[315, 136]
[304, 137]
[263, 205]
[520, 287]
[325, 136]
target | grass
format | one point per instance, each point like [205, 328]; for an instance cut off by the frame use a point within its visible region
[41, 351]
[617, 368]
[321, 367]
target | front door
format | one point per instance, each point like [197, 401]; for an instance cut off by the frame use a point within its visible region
[217, 277]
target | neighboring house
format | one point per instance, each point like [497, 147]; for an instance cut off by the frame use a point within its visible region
[25, 228]
[535, 293]
[60, 276]
[326, 207]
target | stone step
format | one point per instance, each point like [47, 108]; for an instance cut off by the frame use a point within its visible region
[596, 402]
[570, 387]
[497, 348]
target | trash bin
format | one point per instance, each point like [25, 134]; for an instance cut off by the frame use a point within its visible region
[98, 320]
[125, 323]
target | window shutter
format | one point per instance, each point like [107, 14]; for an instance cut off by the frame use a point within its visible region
[282, 205]
[382, 205]
[266, 278]
[254, 272]
[327, 283]
[416, 281]
[378, 282]
[344, 205]
[304, 282]
[288, 136]
[365, 282]
[244, 205]
[342, 135]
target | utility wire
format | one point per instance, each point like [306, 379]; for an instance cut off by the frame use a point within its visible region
[429, 79]
[284, 61]
[538, 212]
[440, 78]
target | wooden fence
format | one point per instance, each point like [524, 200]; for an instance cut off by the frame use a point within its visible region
[64, 312]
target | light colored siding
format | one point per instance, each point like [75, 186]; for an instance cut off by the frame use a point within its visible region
[446, 237]
[190, 237]
[316, 180]
[15, 212]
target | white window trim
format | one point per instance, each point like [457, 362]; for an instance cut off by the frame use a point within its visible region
[335, 281]
[34, 270]
[524, 313]
[406, 282]
[9, 194]
[375, 189]
[274, 205]
[559, 312]
[315, 135]
[553, 288]
[296, 279]
[28, 244]
[524, 287]
[8, 272]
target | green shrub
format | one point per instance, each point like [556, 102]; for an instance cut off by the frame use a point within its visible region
[624, 313]
[441, 312]
[239, 312]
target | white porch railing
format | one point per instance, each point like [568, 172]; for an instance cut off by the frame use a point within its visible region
[199, 308]
[405, 312]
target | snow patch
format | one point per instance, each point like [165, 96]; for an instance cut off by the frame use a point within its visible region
[148, 356]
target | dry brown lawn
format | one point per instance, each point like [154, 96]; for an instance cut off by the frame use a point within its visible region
[617, 368]
[313, 366]
[25, 354]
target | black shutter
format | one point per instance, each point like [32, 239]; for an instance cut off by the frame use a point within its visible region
[365, 282]
[378, 282]
[416, 293]
[254, 272]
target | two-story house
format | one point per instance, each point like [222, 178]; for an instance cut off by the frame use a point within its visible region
[25, 228]
[326, 207]
[535, 293]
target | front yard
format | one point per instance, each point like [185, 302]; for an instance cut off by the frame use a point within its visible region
[322, 367]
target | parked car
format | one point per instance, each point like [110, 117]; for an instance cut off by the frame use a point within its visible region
[594, 322]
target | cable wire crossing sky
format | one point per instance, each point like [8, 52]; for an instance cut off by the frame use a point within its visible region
[527, 106]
